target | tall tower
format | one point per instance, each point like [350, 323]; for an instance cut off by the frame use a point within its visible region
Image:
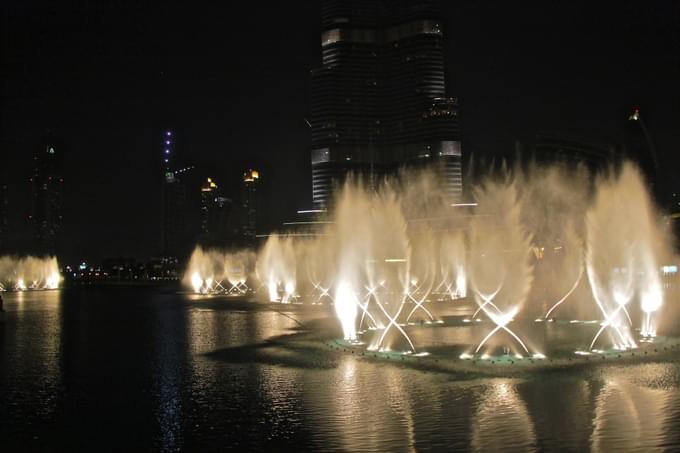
[378, 100]
[639, 147]
[174, 227]
[249, 202]
[47, 182]
[4, 214]
[215, 209]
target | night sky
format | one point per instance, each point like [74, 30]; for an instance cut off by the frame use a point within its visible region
[108, 77]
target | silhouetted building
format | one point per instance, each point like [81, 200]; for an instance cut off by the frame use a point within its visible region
[639, 148]
[552, 148]
[174, 231]
[215, 211]
[4, 215]
[47, 183]
[249, 203]
[378, 100]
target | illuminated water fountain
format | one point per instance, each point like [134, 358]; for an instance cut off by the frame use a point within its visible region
[499, 268]
[218, 272]
[277, 269]
[29, 273]
[548, 261]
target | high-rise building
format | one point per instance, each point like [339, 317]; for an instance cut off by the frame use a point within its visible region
[249, 203]
[4, 215]
[174, 231]
[215, 210]
[378, 100]
[639, 148]
[47, 182]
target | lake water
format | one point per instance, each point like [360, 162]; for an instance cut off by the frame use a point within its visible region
[139, 369]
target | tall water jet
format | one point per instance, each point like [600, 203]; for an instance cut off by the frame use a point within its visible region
[318, 263]
[623, 242]
[423, 272]
[554, 200]
[499, 269]
[352, 235]
[390, 264]
[277, 269]
[452, 266]
[204, 271]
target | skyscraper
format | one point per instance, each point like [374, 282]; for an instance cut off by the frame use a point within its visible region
[47, 183]
[249, 203]
[639, 148]
[378, 100]
[4, 214]
[215, 210]
[174, 232]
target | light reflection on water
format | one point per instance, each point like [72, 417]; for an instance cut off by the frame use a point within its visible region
[630, 414]
[502, 421]
[174, 374]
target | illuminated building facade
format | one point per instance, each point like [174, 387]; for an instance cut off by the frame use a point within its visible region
[47, 183]
[378, 100]
[249, 203]
[215, 209]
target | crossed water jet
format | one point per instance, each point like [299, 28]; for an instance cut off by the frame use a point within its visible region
[218, 287]
[321, 292]
[392, 322]
[318, 291]
[487, 299]
[419, 303]
[621, 299]
[213, 286]
[566, 296]
[445, 282]
[500, 319]
[238, 288]
[364, 307]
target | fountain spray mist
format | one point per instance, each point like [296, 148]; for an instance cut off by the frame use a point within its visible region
[29, 273]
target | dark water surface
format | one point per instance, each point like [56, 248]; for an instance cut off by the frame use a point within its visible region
[131, 369]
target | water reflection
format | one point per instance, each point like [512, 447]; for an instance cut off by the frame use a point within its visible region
[169, 341]
[501, 421]
[74, 362]
[31, 351]
[630, 413]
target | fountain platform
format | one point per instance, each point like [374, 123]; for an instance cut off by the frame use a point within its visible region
[449, 360]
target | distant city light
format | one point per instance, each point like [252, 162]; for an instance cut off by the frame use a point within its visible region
[251, 176]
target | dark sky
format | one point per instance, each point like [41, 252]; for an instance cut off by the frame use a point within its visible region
[109, 77]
